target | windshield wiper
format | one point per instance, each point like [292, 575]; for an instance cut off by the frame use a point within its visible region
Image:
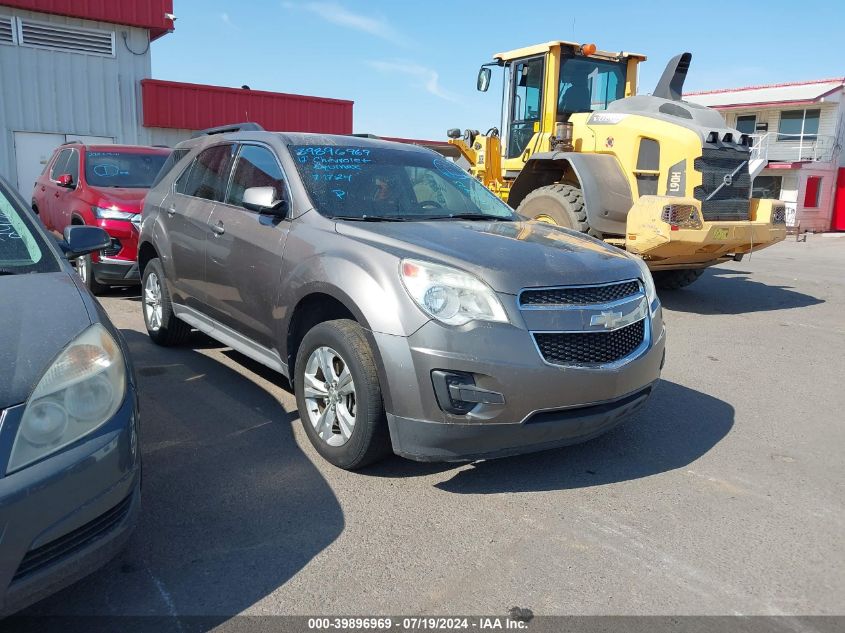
[9, 271]
[370, 218]
[470, 216]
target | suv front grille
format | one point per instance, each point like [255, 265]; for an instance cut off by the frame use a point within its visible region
[590, 348]
[579, 295]
[731, 202]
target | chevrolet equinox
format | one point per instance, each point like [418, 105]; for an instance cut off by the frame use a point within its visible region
[410, 308]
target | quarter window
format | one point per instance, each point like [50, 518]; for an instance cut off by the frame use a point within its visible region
[256, 167]
[208, 175]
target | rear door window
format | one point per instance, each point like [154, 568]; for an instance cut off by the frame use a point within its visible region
[256, 167]
[208, 176]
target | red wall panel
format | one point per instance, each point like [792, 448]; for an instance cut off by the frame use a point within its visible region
[171, 104]
[148, 14]
[838, 223]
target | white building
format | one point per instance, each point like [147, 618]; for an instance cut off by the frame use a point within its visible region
[798, 130]
[80, 70]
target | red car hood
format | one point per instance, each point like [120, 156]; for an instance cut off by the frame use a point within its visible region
[123, 199]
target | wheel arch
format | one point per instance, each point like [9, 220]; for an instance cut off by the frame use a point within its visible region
[321, 303]
[607, 194]
[146, 252]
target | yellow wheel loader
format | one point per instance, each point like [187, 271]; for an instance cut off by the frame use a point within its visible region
[655, 175]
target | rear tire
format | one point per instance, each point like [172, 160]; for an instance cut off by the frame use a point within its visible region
[558, 204]
[676, 279]
[349, 393]
[163, 326]
[85, 270]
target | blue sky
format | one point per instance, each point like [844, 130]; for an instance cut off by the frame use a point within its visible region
[410, 66]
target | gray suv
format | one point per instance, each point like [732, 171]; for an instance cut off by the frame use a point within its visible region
[411, 309]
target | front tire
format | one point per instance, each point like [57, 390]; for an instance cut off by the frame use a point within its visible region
[163, 326]
[85, 270]
[562, 205]
[339, 396]
[676, 279]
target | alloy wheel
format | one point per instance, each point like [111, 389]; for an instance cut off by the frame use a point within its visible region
[330, 396]
[152, 302]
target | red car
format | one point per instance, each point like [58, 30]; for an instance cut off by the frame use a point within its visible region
[105, 186]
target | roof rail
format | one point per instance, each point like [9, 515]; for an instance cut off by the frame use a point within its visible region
[232, 127]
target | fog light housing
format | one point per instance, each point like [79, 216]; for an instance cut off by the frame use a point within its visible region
[681, 216]
[456, 392]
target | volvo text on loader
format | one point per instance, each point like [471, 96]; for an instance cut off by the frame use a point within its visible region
[653, 174]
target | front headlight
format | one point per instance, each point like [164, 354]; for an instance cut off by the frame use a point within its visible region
[449, 295]
[112, 214]
[81, 390]
[648, 283]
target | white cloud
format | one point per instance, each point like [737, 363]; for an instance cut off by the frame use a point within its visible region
[337, 14]
[424, 77]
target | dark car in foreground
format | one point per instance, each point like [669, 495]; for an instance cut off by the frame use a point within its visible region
[99, 185]
[69, 462]
[410, 307]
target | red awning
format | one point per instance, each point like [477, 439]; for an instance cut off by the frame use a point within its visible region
[149, 14]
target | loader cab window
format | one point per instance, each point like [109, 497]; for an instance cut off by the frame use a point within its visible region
[525, 103]
[588, 84]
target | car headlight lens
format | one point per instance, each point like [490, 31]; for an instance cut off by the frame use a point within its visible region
[81, 390]
[112, 214]
[648, 283]
[449, 295]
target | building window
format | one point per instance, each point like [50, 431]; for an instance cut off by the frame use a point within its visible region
[798, 125]
[812, 191]
[767, 187]
[746, 123]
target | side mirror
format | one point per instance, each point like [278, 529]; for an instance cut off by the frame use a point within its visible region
[483, 81]
[81, 240]
[263, 200]
[65, 180]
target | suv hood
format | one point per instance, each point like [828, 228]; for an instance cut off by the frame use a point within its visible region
[47, 314]
[508, 256]
[125, 199]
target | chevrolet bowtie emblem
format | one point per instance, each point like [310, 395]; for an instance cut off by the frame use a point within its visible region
[608, 319]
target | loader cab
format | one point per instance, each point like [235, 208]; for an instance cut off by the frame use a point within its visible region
[545, 84]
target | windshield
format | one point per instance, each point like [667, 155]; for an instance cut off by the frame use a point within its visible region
[133, 170]
[22, 247]
[372, 183]
[588, 84]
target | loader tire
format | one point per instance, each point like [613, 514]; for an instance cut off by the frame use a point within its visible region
[676, 279]
[562, 205]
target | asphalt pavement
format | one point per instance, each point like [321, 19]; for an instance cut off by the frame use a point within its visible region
[725, 495]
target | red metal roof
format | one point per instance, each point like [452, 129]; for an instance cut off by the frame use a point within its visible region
[171, 104]
[147, 14]
[785, 84]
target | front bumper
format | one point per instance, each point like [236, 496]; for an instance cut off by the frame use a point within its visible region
[110, 271]
[666, 248]
[544, 405]
[121, 267]
[66, 516]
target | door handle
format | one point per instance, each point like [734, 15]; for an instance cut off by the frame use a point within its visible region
[171, 212]
[218, 228]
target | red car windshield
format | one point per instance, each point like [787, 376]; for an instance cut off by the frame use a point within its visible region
[133, 170]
